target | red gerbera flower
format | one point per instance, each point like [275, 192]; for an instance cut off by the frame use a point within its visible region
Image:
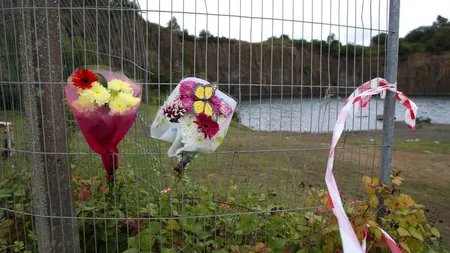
[84, 78]
[206, 125]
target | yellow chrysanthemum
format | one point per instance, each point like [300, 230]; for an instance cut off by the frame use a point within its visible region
[83, 104]
[118, 105]
[117, 85]
[97, 94]
[128, 99]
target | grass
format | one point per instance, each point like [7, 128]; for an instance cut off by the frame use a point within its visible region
[417, 146]
[256, 161]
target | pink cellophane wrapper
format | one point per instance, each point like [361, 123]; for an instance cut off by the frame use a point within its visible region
[102, 131]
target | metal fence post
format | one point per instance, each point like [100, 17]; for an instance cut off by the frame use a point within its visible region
[389, 103]
[51, 177]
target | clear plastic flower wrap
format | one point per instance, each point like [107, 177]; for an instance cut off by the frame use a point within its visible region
[195, 118]
[104, 104]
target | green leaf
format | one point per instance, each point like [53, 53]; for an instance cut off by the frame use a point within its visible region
[132, 242]
[415, 233]
[132, 250]
[247, 223]
[88, 208]
[377, 233]
[5, 193]
[102, 80]
[171, 250]
[435, 232]
[373, 201]
[19, 193]
[279, 243]
[154, 228]
[172, 225]
[403, 232]
[145, 240]
[332, 228]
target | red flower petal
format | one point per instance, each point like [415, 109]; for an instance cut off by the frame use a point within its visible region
[208, 127]
[84, 78]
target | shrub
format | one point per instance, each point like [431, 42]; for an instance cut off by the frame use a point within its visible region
[193, 219]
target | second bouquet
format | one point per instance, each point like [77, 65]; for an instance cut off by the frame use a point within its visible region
[195, 118]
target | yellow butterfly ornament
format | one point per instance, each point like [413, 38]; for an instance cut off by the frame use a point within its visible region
[202, 105]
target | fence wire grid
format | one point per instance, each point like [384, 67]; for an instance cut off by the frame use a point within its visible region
[289, 64]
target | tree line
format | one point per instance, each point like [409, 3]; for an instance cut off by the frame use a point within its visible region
[434, 38]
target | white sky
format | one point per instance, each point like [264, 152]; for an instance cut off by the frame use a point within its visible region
[261, 19]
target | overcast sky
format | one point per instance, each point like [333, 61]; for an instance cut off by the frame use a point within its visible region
[256, 20]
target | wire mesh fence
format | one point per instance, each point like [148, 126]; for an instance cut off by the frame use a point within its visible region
[289, 64]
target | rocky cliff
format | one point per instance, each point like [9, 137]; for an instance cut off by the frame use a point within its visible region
[152, 54]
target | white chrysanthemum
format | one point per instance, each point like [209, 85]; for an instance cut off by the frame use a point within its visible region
[189, 130]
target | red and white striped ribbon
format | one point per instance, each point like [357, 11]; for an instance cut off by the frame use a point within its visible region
[355, 102]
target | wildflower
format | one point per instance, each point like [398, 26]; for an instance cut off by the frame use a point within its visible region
[84, 79]
[167, 190]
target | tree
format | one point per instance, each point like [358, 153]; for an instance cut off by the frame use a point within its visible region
[128, 4]
[379, 39]
[440, 21]
[284, 37]
[203, 34]
[173, 24]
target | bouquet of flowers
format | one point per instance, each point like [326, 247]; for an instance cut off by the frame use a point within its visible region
[195, 118]
[104, 104]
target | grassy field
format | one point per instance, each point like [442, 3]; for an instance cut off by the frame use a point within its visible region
[283, 162]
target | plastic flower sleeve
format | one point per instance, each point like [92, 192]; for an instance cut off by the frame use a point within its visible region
[104, 124]
[194, 118]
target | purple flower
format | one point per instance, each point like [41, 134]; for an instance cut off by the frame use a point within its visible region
[187, 89]
[187, 103]
[215, 100]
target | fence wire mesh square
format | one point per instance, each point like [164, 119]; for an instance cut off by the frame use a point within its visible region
[289, 64]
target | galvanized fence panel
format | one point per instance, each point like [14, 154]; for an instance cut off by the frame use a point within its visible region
[289, 64]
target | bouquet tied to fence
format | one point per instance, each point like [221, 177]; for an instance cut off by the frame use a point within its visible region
[104, 104]
[195, 118]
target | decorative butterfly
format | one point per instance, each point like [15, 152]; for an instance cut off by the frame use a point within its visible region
[202, 105]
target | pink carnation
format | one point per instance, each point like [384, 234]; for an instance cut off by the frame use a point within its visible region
[225, 109]
[187, 103]
[187, 89]
[215, 100]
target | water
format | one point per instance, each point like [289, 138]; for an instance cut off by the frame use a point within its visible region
[313, 115]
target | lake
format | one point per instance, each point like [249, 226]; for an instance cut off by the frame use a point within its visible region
[313, 115]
